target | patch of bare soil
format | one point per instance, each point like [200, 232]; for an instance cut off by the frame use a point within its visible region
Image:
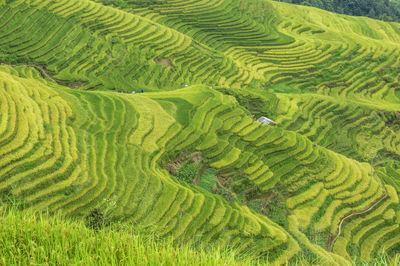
[165, 62]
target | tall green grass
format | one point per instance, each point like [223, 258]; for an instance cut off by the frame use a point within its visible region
[28, 238]
[39, 239]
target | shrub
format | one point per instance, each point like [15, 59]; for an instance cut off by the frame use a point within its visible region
[95, 219]
[188, 172]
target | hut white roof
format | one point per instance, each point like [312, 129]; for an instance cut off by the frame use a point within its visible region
[266, 121]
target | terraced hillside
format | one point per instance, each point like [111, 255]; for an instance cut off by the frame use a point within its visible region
[323, 183]
[69, 150]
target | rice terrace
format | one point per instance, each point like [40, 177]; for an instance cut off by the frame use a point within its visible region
[197, 132]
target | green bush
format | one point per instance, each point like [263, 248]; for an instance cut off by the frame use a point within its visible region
[188, 172]
[95, 219]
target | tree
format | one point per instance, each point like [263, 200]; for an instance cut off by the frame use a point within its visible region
[379, 9]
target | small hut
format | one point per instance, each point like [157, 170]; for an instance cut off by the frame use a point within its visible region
[266, 121]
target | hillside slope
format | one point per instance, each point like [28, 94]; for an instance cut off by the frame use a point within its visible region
[69, 150]
[70, 141]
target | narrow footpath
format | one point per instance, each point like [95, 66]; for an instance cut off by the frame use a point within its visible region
[367, 209]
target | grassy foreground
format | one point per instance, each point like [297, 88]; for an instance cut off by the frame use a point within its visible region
[29, 239]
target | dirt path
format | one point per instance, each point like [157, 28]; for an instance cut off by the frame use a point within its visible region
[370, 207]
[44, 73]
[230, 194]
